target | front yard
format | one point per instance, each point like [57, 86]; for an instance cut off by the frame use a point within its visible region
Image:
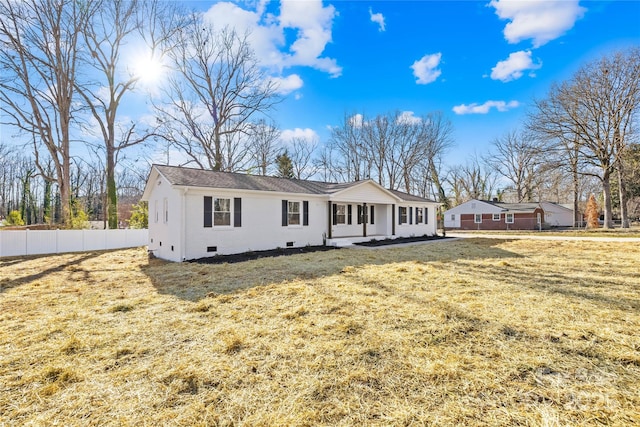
[471, 332]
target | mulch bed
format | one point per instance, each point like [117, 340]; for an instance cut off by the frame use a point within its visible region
[399, 240]
[248, 256]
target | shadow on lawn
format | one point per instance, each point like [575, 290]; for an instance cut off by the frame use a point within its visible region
[6, 283]
[559, 282]
[194, 281]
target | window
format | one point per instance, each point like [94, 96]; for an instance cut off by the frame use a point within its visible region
[221, 212]
[453, 217]
[496, 217]
[293, 213]
[419, 217]
[477, 218]
[509, 218]
[155, 206]
[166, 210]
[402, 214]
[341, 214]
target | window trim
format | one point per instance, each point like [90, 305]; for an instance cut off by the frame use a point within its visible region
[297, 203]
[338, 214]
[401, 215]
[476, 217]
[493, 217]
[165, 210]
[230, 211]
[506, 217]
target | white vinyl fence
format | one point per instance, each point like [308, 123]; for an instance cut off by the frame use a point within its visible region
[34, 242]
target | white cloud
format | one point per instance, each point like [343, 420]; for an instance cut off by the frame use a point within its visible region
[541, 21]
[512, 68]
[408, 117]
[288, 84]
[501, 106]
[357, 120]
[426, 68]
[307, 134]
[311, 19]
[313, 22]
[378, 18]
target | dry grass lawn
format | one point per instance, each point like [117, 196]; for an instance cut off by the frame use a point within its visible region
[471, 332]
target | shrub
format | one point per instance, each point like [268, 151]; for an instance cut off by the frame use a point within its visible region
[14, 218]
[140, 216]
[591, 213]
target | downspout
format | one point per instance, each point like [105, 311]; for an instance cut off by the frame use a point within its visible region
[183, 235]
[329, 235]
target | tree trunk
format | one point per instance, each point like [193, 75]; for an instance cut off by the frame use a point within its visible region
[442, 196]
[46, 208]
[112, 196]
[576, 209]
[606, 192]
[624, 216]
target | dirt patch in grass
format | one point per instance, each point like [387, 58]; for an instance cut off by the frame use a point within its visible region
[467, 332]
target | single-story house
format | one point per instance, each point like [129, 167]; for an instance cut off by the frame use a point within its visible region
[494, 215]
[196, 213]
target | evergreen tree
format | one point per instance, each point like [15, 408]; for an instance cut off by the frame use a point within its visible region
[285, 165]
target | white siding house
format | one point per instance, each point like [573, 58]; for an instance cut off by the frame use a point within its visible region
[195, 213]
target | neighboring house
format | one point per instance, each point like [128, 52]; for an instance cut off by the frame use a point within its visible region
[493, 215]
[195, 213]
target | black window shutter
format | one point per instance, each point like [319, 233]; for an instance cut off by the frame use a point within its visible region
[208, 211]
[335, 214]
[372, 210]
[305, 212]
[410, 215]
[399, 215]
[426, 215]
[285, 207]
[349, 214]
[359, 214]
[237, 212]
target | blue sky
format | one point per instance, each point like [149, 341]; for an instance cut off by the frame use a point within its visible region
[479, 62]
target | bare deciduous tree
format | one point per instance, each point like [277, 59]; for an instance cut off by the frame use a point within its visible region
[597, 106]
[218, 86]
[473, 180]
[517, 156]
[41, 45]
[263, 145]
[301, 154]
[115, 25]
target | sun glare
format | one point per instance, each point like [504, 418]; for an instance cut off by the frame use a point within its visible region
[149, 71]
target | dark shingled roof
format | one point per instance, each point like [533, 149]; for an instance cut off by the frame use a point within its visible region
[523, 207]
[229, 180]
